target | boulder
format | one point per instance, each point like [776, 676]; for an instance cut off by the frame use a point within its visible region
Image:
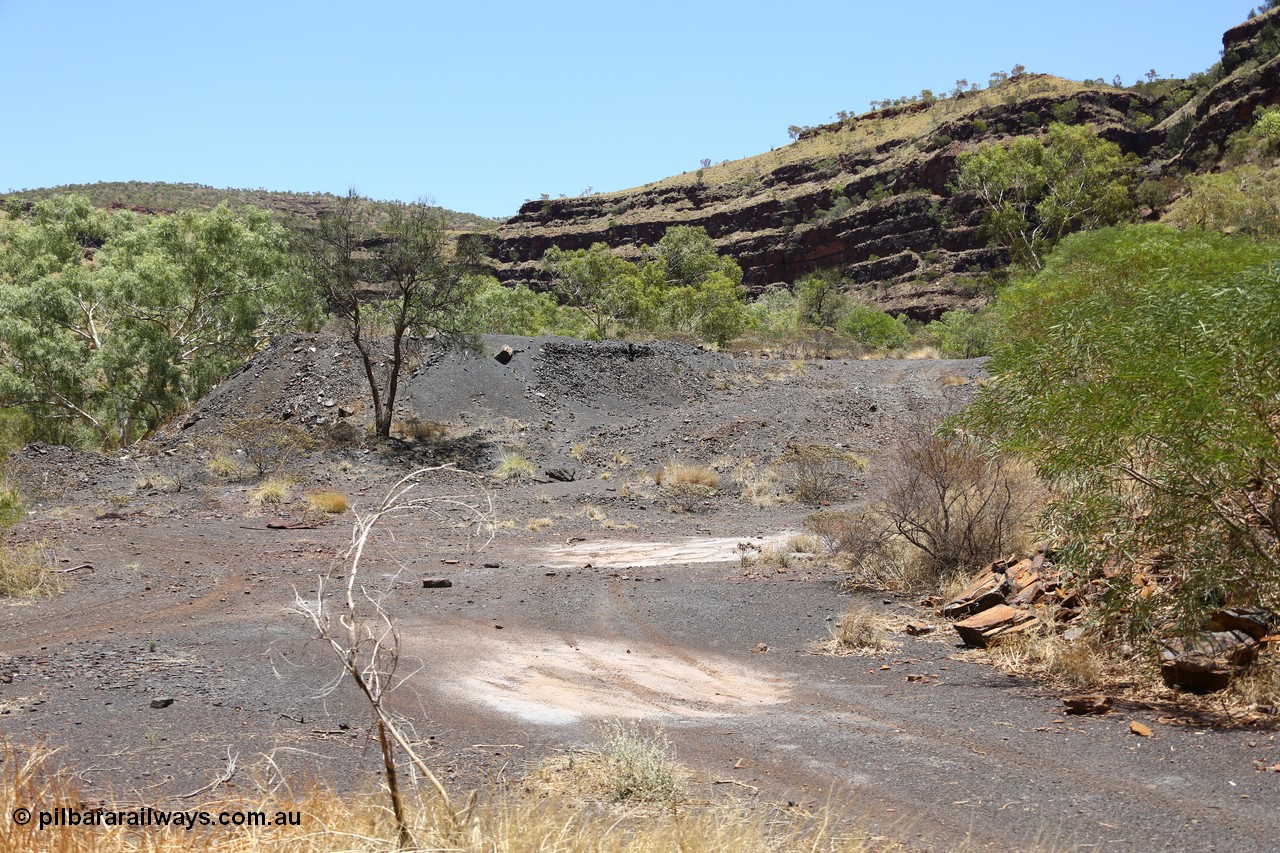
[1205, 662]
[986, 589]
[985, 628]
[1254, 621]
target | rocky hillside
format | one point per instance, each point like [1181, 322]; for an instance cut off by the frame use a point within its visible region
[871, 194]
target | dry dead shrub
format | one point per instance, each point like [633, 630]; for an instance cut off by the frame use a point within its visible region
[341, 435]
[687, 497]
[817, 474]
[269, 444]
[959, 506]
[869, 551]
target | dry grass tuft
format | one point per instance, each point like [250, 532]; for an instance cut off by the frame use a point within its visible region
[334, 503]
[1260, 683]
[1075, 664]
[156, 483]
[226, 468]
[537, 524]
[760, 487]
[426, 432]
[550, 818]
[951, 381]
[273, 492]
[27, 570]
[921, 353]
[677, 473]
[859, 631]
[513, 466]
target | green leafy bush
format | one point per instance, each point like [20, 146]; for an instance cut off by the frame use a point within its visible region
[963, 334]
[682, 285]
[1140, 372]
[874, 328]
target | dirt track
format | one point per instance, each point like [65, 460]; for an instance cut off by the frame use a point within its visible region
[541, 638]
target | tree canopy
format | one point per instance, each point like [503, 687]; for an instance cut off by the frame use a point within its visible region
[681, 284]
[390, 282]
[110, 323]
[1036, 192]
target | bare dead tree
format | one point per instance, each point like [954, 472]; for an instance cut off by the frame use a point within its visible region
[361, 633]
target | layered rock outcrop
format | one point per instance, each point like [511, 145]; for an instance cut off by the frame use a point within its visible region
[872, 195]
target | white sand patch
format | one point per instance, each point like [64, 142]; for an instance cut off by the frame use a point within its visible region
[616, 554]
[546, 680]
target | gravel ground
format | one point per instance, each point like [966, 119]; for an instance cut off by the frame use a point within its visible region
[610, 607]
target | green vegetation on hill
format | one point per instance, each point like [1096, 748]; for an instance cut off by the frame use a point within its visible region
[1037, 191]
[161, 197]
[682, 285]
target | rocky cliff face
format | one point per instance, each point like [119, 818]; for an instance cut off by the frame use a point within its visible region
[1251, 59]
[871, 195]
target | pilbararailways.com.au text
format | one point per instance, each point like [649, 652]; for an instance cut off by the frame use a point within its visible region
[149, 817]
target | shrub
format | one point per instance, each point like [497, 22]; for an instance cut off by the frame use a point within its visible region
[11, 505]
[822, 298]
[686, 496]
[874, 328]
[818, 474]
[341, 435]
[963, 334]
[1140, 373]
[1244, 200]
[269, 444]
[641, 769]
[955, 503]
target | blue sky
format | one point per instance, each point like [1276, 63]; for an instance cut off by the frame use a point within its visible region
[482, 105]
